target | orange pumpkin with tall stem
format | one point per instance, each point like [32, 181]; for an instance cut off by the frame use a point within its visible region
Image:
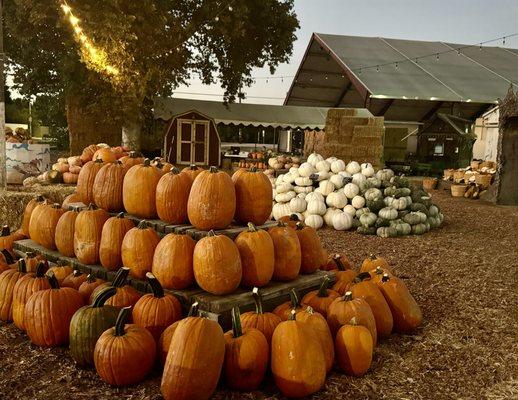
[266, 322]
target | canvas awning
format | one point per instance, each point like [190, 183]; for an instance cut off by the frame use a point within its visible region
[246, 114]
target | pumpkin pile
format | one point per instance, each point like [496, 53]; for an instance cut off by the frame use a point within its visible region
[353, 196]
[282, 161]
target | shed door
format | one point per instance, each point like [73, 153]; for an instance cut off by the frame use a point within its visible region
[193, 142]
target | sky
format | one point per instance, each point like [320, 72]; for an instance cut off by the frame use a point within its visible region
[458, 21]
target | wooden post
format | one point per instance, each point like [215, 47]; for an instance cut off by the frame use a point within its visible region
[3, 171]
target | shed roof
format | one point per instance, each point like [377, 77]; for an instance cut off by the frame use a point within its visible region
[333, 73]
[247, 114]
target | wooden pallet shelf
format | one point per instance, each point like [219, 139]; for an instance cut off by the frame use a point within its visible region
[218, 307]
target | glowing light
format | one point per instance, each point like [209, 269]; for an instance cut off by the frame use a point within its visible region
[97, 57]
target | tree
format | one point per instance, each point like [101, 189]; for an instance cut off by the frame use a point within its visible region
[143, 49]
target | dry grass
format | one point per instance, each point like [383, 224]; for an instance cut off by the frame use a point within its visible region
[463, 275]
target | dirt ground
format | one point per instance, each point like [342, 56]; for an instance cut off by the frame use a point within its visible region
[464, 276]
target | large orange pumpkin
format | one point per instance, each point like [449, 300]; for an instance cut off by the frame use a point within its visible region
[320, 299]
[192, 171]
[310, 247]
[139, 190]
[138, 248]
[107, 192]
[112, 234]
[354, 347]
[287, 253]
[212, 200]
[8, 281]
[257, 256]
[172, 193]
[253, 196]
[105, 154]
[27, 213]
[87, 234]
[64, 236]
[172, 261]
[42, 227]
[88, 153]
[216, 264]
[86, 179]
[266, 322]
[133, 158]
[192, 370]
[71, 198]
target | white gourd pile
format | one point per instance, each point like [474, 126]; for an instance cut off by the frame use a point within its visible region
[353, 196]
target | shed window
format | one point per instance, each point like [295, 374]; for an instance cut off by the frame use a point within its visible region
[438, 149]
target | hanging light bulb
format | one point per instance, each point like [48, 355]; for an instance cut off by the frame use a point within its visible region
[216, 19]
[377, 68]
[397, 65]
[437, 56]
[503, 41]
[480, 47]
[230, 8]
[360, 71]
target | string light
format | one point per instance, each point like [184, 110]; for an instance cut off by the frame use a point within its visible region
[92, 54]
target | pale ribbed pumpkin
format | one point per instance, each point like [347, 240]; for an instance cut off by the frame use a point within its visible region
[138, 248]
[107, 190]
[253, 196]
[87, 234]
[172, 261]
[139, 190]
[86, 179]
[113, 232]
[172, 193]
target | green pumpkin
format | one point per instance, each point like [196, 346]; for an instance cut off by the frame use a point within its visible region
[88, 323]
[368, 219]
[419, 229]
[400, 181]
[362, 211]
[356, 223]
[412, 218]
[433, 211]
[375, 205]
[403, 229]
[402, 213]
[402, 192]
[366, 230]
[373, 193]
[419, 207]
[417, 194]
[390, 191]
[385, 232]
[381, 222]
[389, 213]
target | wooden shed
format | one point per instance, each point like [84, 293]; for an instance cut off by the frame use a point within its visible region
[192, 138]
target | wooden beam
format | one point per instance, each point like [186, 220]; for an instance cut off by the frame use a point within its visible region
[344, 92]
[309, 85]
[315, 71]
[432, 111]
[385, 108]
[306, 100]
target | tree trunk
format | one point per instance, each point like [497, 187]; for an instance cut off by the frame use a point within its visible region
[131, 135]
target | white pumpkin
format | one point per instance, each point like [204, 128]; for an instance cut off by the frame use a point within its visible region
[351, 190]
[358, 178]
[321, 176]
[337, 180]
[303, 189]
[398, 204]
[325, 187]
[385, 174]
[288, 178]
[314, 221]
[279, 179]
[389, 213]
[301, 195]
[349, 209]
[358, 202]
[314, 196]
[279, 210]
[336, 199]
[283, 187]
[323, 166]
[303, 181]
[342, 221]
[298, 205]
[285, 197]
[338, 166]
[330, 160]
[372, 194]
[367, 170]
[294, 171]
[306, 169]
[314, 158]
[272, 161]
[316, 207]
[353, 167]
[328, 216]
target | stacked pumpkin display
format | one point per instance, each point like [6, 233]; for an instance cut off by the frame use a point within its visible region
[346, 196]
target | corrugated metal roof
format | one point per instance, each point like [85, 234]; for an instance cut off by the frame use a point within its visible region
[248, 114]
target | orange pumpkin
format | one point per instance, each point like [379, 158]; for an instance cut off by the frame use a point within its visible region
[107, 191]
[88, 153]
[71, 198]
[138, 248]
[257, 256]
[172, 261]
[32, 261]
[88, 286]
[354, 348]
[6, 239]
[105, 154]
[8, 281]
[283, 311]
[310, 247]
[74, 280]
[253, 196]
[60, 271]
[139, 190]
[86, 179]
[291, 220]
[216, 264]
[172, 193]
[192, 171]
[42, 226]
[266, 322]
[212, 200]
[321, 299]
[87, 234]
[164, 343]
[126, 296]
[28, 211]
[64, 236]
[112, 234]
[287, 252]
[133, 158]
[337, 262]
[372, 262]
[344, 281]
[70, 178]
[73, 169]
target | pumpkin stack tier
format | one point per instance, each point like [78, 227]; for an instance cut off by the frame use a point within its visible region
[139, 190]
[172, 261]
[172, 194]
[266, 322]
[8, 280]
[253, 196]
[112, 235]
[212, 200]
[138, 248]
[87, 234]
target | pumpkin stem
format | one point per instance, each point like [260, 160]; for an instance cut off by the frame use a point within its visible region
[211, 233]
[373, 257]
[142, 225]
[379, 270]
[133, 154]
[101, 297]
[174, 171]
[338, 261]
[120, 215]
[193, 311]
[22, 266]
[258, 300]
[251, 227]
[362, 276]
[253, 169]
[193, 167]
[310, 310]
[213, 169]
[294, 298]
[147, 162]
[353, 321]
[41, 269]
[237, 330]
[280, 224]
[8, 256]
[299, 226]
[5, 231]
[76, 273]
[294, 217]
[156, 287]
[55, 205]
[385, 278]
[54, 284]
[121, 321]
[348, 296]
[40, 198]
[91, 206]
[90, 278]
[120, 278]
[99, 160]
[292, 315]
[322, 290]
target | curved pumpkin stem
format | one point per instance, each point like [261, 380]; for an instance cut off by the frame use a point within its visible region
[322, 290]
[41, 268]
[251, 227]
[385, 278]
[22, 266]
[310, 310]
[258, 300]
[156, 287]
[362, 277]
[147, 162]
[292, 315]
[142, 225]
[120, 215]
[211, 233]
[338, 262]
[90, 278]
[348, 296]
[353, 321]
[174, 171]
[120, 278]
[8, 256]
[237, 330]
[103, 296]
[91, 206]
[54, 284]
[193, 311]
[294, 298]
[121, 321]
[213, 169]
[5, 231]
[299, 226]
[193, 167]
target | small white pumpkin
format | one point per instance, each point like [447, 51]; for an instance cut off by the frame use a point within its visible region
[338, 166]
[330, 160]
[372, 194]
[398, 204]
[306, 169]
[323, 166]
[303, 181]
[336, 199]
[279, 179]
[283, 187]
[325, 187]
[358, 202]
[301, 195]
[337, 180]
[289, 178]
[358, 178]
[349, 209]
[353, 167]
[294, 171]
[328, 216]
[385, 174]
[298, 205]
[314, 158]
[279, 210]
[321, 176]
[285, 197]
[342, 221]
[351, 190]
[367, 170]
[316, 207]
[303, 189]
[362, 211]
[314, 221]
[315, 196]
[389, 213]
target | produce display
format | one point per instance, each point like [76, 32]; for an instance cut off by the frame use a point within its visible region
[472, 181]
[353, 196]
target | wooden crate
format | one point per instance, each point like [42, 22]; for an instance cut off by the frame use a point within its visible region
[217, 307]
